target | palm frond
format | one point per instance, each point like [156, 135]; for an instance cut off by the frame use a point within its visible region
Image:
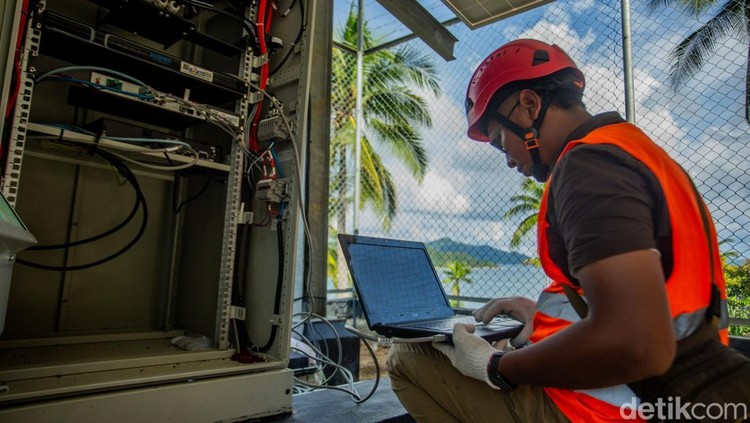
[405, 143]
[524, 228]
[695, 7]
[347, 34]
[530, 186]
[656, 4]
[520, 209]
[530, 198]
[691, 53]
[378, 186]
[527, 203]
[413, 65]
[398, 105]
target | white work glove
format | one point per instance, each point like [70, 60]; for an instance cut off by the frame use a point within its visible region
[469, 353]
[521, 308]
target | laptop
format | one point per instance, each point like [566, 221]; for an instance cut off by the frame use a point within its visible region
[401, 294]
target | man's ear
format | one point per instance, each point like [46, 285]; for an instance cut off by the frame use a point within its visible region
[531, 103]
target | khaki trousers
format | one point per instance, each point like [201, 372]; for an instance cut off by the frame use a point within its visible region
[433, 391]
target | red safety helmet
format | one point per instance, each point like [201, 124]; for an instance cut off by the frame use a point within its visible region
[518, 60]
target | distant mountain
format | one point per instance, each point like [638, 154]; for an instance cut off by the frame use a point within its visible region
[444, 250]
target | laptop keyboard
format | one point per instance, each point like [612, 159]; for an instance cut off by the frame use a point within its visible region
[446, 324]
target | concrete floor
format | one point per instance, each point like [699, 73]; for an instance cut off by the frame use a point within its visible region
[329, 406]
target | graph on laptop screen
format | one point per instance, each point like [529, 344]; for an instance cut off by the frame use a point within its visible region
[397, 283]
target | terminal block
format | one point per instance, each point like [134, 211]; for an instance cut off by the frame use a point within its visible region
[272, 190]
[273, 128]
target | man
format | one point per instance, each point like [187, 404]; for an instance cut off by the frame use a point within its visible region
[620, 224]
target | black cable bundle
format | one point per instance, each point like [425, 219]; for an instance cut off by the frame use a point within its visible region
[279, 284]
[140, 202]
[289, 52]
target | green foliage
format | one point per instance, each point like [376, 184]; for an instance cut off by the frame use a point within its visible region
[738, 295]
[456, 272]
[695, 49]
[332, 256]
[737, 278]
[527, 205]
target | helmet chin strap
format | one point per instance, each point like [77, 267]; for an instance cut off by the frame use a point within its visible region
[530, 137]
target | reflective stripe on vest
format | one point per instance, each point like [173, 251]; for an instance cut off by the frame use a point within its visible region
[614, 395]
[557, 306]
[687, 323]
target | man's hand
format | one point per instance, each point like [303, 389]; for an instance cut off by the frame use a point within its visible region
[522, 309]
[469, 353]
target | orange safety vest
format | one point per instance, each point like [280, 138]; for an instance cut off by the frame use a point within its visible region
[688, 287]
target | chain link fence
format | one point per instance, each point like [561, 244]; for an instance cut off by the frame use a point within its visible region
[423, 179]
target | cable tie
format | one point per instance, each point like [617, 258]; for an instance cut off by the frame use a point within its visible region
[97, 138]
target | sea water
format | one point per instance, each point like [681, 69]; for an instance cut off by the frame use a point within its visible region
[501, 281]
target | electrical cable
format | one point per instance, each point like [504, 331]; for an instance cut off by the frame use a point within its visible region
[218, 120]
[279, 283]
[323, 358]
[140, 198]
[276, 160]
[176, 208]
[289, 52]
[264, 26]
[347, 375]
[298, 180]
[136, 81]
[239, 19]
[386, 341]
[98, 86]
[128, 148]
[211, 115]
[104, 234]
[156, 167]
[125, 139]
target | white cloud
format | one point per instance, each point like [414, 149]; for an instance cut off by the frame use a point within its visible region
[437, 194]
[560, 33]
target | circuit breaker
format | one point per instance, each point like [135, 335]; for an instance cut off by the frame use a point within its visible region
[156, 150]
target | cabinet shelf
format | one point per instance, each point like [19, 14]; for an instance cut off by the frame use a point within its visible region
[105, 142]
[155, 24]
[105, 363]
[78, 43]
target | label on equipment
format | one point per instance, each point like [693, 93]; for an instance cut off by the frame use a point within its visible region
[196, 71]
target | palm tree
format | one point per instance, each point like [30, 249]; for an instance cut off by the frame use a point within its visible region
[528, 202]
[456, 272]
[691, 53]
[727, 256]
[393, 115]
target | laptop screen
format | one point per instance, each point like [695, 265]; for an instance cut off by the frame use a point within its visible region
[395, 280]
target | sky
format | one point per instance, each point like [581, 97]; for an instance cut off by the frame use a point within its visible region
[468, 188]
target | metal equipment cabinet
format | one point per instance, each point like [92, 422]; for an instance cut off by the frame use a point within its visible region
[93, 343]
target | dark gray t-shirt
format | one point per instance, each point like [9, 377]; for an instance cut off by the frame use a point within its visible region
[604, 202]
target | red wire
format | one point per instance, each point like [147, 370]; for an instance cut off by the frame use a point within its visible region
[17, 62]
[265, 13]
